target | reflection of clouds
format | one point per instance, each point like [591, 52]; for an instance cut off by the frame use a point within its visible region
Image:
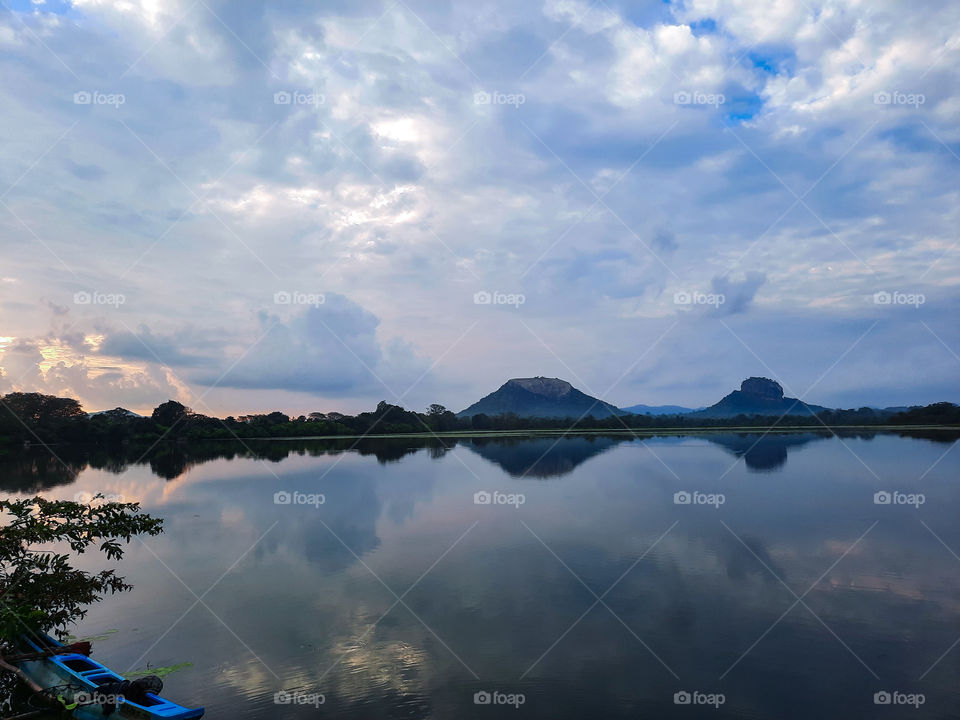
[302, 601]
[133, 486]
[741, 561]
[378, 665]
[248, 680]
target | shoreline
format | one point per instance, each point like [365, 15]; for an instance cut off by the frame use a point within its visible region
[766, 429]
[527, 433]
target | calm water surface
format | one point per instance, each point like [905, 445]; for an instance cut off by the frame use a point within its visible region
[598, 596]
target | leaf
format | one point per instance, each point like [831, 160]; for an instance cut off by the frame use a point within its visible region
[160, 672]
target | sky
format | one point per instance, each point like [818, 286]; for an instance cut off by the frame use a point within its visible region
[317, 206]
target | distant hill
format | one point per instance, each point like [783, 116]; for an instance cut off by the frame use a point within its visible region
[758, 396]
[540, 397]
[117, 413]
[658, 410]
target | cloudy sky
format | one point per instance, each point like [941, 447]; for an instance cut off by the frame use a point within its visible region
[315, 206]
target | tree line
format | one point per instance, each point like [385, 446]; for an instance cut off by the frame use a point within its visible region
[33, 417]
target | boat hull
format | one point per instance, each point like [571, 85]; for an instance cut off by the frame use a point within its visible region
[85, 676]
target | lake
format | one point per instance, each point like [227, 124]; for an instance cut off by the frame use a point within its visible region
[794, 575]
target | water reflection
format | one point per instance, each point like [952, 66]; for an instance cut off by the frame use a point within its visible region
[542, 457]
[36, 468]
[765, 453]
[400, 597]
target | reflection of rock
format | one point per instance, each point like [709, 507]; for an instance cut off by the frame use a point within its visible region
[764, 452]
[542, 457]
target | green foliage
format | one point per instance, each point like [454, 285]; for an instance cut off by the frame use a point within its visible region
[38, 408]
[943, 413]
[30, 416]
[39, 587]
[169, 413]
[33, 416]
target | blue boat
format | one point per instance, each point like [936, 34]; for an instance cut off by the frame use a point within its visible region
[79, 679]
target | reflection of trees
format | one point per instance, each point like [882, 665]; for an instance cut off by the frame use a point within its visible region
[33, 469]
[937, 436]
[169, 461]
[36, 468]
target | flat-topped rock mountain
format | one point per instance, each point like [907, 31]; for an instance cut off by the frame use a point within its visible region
[758, 396]
[540, 397]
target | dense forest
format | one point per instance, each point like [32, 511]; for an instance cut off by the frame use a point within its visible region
[32, 417]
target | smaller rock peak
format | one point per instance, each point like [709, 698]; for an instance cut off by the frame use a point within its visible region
[762, 387]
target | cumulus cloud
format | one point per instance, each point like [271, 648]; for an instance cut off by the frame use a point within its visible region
[732, 145]
[330, 349]
[49, 366]
[738, 294]
[144, 345]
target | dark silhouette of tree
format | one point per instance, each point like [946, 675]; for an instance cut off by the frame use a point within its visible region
[481, 421]
[169, 413]
[37, 408]
[50, 593]
[33, 417]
